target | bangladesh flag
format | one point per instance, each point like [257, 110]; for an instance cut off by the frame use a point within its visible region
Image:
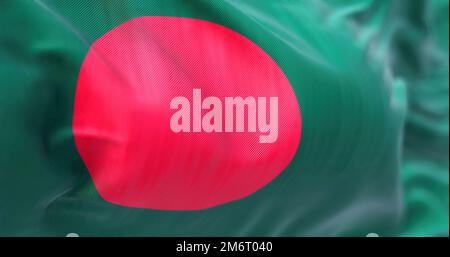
[224, 118]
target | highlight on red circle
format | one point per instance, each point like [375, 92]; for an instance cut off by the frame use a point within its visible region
[177, 113]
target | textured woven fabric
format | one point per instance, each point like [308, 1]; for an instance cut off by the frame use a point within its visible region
[371, 79]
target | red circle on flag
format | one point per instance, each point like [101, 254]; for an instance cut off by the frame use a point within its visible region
[140, 155]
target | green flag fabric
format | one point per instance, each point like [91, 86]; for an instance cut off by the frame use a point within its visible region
[371, 79]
